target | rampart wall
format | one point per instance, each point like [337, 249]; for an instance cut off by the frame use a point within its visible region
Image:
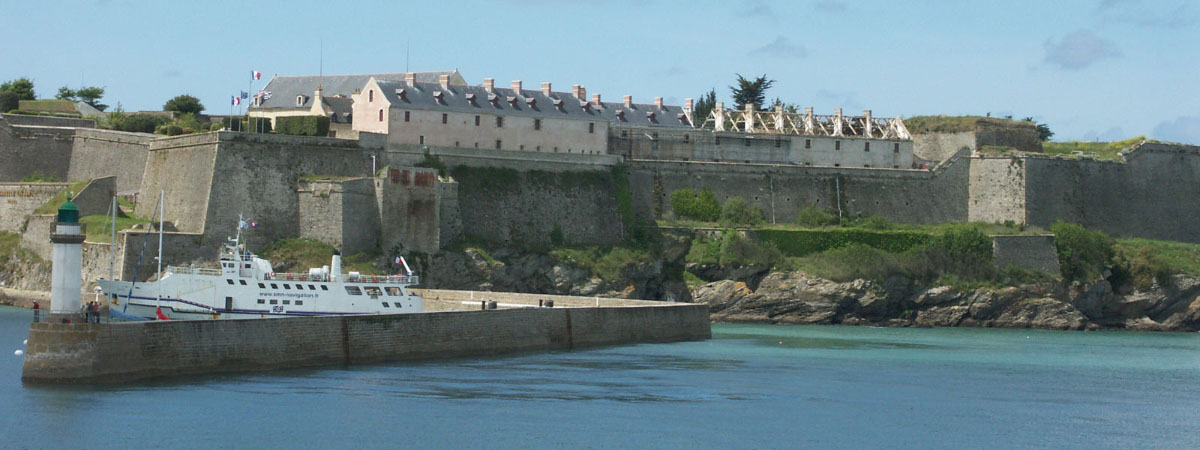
[407, 203]
[781, 191]
[34, 150]
[733, 147]
[18, 200]
[938, 147]
[997, 190]
[101, 153]
[1035, 252]
[341, 213]
[1152, 195]
[411, 155]
[123, 352]
[47, 121]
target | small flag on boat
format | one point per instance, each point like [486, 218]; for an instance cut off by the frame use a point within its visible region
[256, 74]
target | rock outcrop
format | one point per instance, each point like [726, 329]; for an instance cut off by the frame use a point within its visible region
[795, 297]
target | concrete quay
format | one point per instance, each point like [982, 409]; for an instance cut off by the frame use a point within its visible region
[110, 353]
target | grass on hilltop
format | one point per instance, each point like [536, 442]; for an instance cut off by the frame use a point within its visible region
[300, 254]
[51, 206]
[956, 124]
[1109, 151]
[99, 228]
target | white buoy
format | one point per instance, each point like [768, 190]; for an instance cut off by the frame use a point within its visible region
[18, 353]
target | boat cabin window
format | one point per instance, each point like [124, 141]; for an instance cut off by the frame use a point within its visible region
[287, 302]
[274, 302]
[299, 302]
[373, 291]
[286, 286]
[242, 281]
[261, 301]
[300, 287]
[228, 281]
[385, 305]
[247, 266]
[312, 288]
[393, 291]
[353, 290]
[324, 287]
[274, 286]
[262, 286]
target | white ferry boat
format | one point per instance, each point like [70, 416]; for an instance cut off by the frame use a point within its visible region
[246, 287]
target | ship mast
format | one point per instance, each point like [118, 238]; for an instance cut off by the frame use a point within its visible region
[162, 195]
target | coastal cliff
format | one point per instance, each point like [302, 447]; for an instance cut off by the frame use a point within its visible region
[796, 297]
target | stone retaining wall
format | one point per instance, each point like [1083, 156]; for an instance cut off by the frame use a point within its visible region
[123, 352]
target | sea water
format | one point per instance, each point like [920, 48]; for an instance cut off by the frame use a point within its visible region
[751, 386]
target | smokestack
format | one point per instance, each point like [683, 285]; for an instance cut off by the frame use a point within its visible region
[546, 89]
[410, 78]
[658, 102]
[444, 80]
[628, 101]
[489, 84]
[516, 86]
[689, 104]
[596, 101]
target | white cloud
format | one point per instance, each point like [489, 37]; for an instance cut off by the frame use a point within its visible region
[781, 47]
[1079, 49]
[1184, 129]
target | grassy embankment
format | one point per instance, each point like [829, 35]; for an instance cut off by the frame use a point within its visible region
[957, 124]
[299, 254]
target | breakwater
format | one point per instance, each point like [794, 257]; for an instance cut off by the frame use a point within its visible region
[121, 352]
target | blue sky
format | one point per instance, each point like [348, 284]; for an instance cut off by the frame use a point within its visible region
[1099, 69]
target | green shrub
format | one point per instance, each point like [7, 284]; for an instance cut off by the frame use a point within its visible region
[9, 101]
[739, 250]
[37, 177]
[739, 212]
[687, 204]
[486, 178]
[137, 123]
[169, 129]
[807, 242]
[1083, 254]
[814, 216]
[433, 162]
[1141, 267]
[260, 125]
[871, 223]
[303, 125]
[963, 251]
[556, 235]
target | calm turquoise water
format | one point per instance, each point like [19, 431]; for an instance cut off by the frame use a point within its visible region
[752, 386]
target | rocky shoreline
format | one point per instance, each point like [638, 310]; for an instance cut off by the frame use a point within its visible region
[798, 298]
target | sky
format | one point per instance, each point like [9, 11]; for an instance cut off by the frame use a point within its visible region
[1090, 70]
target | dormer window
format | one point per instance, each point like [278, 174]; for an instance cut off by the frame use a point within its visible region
[402, 93]
[621, 115]
[494, 100]
[587, 107]
[437, 96]
[532, 102]
[651, 116]
[299, 100]
[512, 100]
[682, 118]
[558, 103]
[471, 98]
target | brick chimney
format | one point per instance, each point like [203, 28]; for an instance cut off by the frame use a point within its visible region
[546, 89]
[516, 86]
[658, 102]
[410, 78]
[444, 80]
[582, 92]
[489, 84]
[628, 101]
[689, 104]
[596, 101]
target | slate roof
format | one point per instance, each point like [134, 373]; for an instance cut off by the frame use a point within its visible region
[528, 102]
[342, 107]
[285, 89]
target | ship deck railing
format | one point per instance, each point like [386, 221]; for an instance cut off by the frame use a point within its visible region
[380, 279]
[194, 270]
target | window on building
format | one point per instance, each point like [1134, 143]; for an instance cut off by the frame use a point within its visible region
[591, 127]
[624, 133]
[407, 115]
[370, 95]
[778, 143]
[896, 147]
[837, 165]
[497, 144]
[537, 124]
[686, 138]
[422, 139]
[499, 121]
[381, 115]
[476, 120]
[717, 140]
[866, 146]
[445, 118]
[808, 143]
[837, 145]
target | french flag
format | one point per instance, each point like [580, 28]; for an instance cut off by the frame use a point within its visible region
[236, 101]
[256, 74]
